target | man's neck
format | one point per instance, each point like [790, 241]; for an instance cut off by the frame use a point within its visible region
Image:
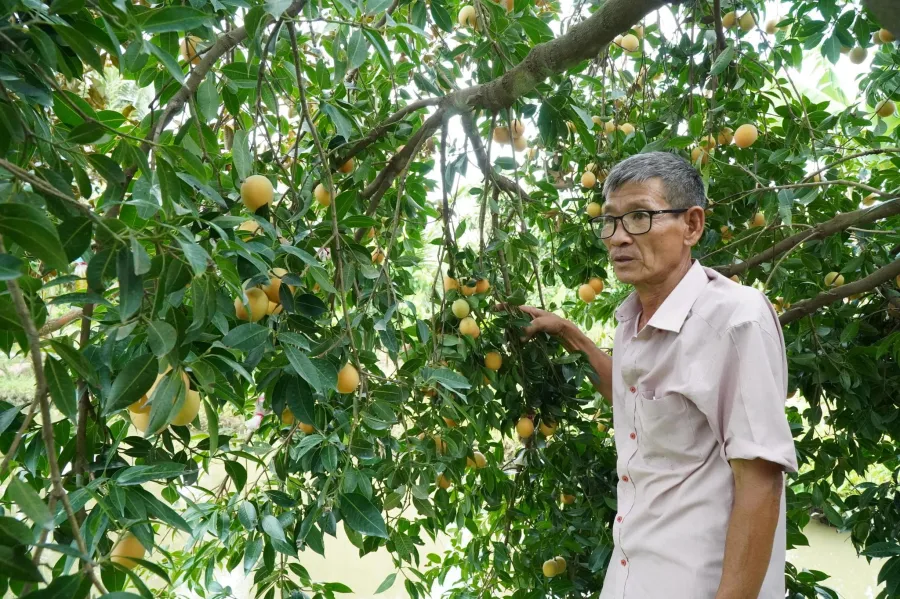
[652, 295]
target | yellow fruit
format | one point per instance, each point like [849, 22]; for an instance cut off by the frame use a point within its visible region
[729, 19]
[450, 422]
[886, 36]
[460, 308]
[493, 360]
[869, 199]
[468, 326]
[520, 144]
[571, 126]
[699, 154]
[758, 220]
[306, 428]
[273, 308]
[735, 278]
[378, 257]
[140, 420]
[630, 42]
[469, 288]
[347, 167]
[443, 482]
[745, 135]
[725, 136]
[885, 108]
[609, 127]
[626, 128]
[272, 289]
[467, 17]
[140, 406]
[322, 196]
[588, 179]
[548, 428]
[517, 128]
[834, 279]
[189, 409]
[771, 26]
[256, 191]
[250, 226]
[602, 428]
[560, 564]
[597, 284]
[638, 31]
[287, 417]
[845, 50]
[549, 568]
[597, 121]
[747, 21]
[725, 230]
[586, 293]
[510, 4]
[258, 302]
[348, 379]
[567, 499]
[480, 460]
[593, 209]
[501, 135]
[450, 283]
[126, 548]
[525, 427]
[857, 55]
[482, 286]
[189, 49]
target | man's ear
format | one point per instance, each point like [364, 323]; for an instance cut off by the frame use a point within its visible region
[695, 218]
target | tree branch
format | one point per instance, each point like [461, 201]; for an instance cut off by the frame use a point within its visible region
[376, 133]
[51, 326]
[887, 13]
[717, 19]
[820, 231]
[503, 183]
[850, 157]
[879, 277]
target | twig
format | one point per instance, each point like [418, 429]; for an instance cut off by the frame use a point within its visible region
[51, 326]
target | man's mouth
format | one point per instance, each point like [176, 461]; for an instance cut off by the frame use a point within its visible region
[622, 259]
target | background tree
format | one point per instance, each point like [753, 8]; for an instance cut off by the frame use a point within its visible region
[254, 239]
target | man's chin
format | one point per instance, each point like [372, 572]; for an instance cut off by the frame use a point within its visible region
[628, 273]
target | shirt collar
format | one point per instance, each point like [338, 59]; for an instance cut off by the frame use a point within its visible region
[675, 308]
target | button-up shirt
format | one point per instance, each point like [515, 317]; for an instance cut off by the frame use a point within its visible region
[704, 382]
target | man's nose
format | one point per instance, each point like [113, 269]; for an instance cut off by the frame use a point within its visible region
[620, 236]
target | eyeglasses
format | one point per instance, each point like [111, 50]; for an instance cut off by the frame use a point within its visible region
[636, 222]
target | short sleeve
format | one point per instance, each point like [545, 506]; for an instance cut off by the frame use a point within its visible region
[746, 410]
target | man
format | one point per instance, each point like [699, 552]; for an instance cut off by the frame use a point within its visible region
[697, 381]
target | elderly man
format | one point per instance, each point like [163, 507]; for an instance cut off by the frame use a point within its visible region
[697, 382]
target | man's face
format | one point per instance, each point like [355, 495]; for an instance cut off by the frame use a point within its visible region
[652, 257]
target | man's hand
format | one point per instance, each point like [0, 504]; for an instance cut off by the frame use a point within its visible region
[545, 322]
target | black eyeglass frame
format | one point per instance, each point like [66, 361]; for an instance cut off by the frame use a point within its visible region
[651, 213]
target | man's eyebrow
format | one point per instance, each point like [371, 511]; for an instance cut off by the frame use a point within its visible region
[638, 204]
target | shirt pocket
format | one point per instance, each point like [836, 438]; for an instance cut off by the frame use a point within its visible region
[668, 438]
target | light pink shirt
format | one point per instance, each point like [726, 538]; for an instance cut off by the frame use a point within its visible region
[703, 383]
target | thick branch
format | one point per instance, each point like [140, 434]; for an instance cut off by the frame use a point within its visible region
[717, 19]
[830, 227]
[51, 326]
[887, 13]
[850, 157]
[376, 133]
[879, 277]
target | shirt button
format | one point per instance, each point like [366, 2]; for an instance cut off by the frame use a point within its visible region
[625, 478]
[618, 518]
[633, 436]
[633, 389]
[624, 563]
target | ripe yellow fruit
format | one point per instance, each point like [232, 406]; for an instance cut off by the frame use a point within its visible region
[347, 167]
[771, 26]
[250, 226]
[567, 499]
[126, 548]
[482, 286]
[525, 427]
[571, 126]
[476, 461]
[272, 289]
[322, 196]
[886, 36]
[834, 279]
[189, 49]
[548, 428]
[520, 144]
[725, 136]
[700, 154]
[600, 427]
[857, 55]
[597, 284]
[469, 288]
[885, 108]
[450, 283]
[729, 19]
[609, 127]
[443, 482]
[745, 135]
[467, 17]
[460, 308]
[501, 135]
[630, 42]
[725, 230]
[256, 191]
[587, 293]
[440, 445]
[378, 256]
[140, 406]
[468, 326]
[450, 422]
[638, 31]
[747, 21]
[549, 568]
[287, 417]
[140, 420]
[588, 179]
[626, 128]
[735, 278]
[758, 220]
[258, 302]
[869, 199]
[274, 308]
[306, 428]
[597, 120]
[493, 360]
[517, 128]
[348, 379]
[560, 564]
[510, 4]
[593, 209]
[189, 409]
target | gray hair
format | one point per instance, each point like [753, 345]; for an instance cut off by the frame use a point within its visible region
[682, 182]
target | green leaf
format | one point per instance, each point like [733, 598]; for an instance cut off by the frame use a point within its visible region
[196, 256]
[277, 7]
[343, 124]
[536, 30]
[62, 389]
[272, 527]
[63, 587]
[81, 45]
[75, 235]
[247, 516]
[161, 336]
[298, 397]
[389, 581]
[29, 502]
[140, 256]
[882, 549]
[138, 475]
[240, 154]
[15, 563]
[319, 374]
[252, 551]
[108, 168]
[212, 425]
[10, 267]
[166, 400]
[87, 133]
[173, 18]
[131, 286]
[167, 61]
[722, 61]
[246, 337]
[362, 516]
[76, 361]
[238, 474]
[30, 228]
[132, 383]
[15, 532]
[208, 98]
[120, 595]
[357, 50]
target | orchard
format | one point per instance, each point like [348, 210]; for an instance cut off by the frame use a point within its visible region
[286, 241]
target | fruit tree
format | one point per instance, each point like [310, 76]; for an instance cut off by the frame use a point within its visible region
[267, 239]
